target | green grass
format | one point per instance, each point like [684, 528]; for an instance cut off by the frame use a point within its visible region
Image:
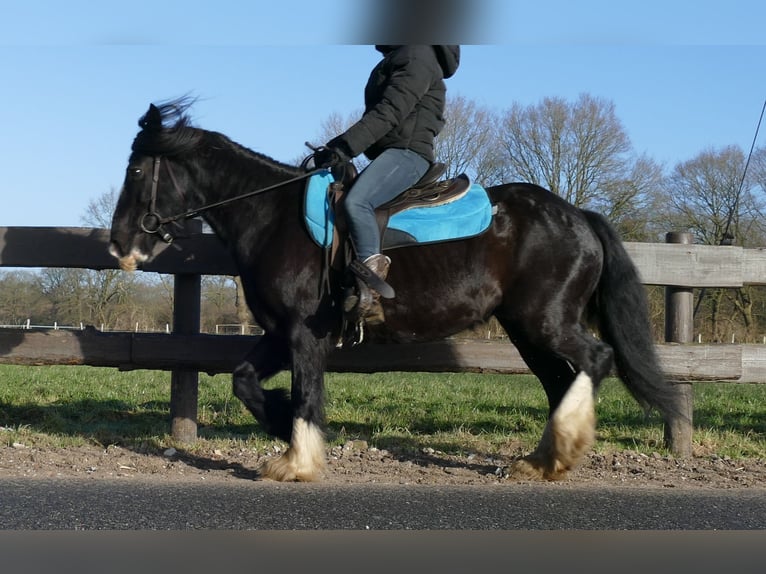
[63, 406]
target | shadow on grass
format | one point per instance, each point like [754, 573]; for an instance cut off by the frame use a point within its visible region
[102, 421]
[624, 428]
[141, 428]
[753, 423]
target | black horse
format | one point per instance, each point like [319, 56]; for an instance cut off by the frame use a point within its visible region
[548, 271]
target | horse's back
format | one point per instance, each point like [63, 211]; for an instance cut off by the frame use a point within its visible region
[530, 199]
[537, 215]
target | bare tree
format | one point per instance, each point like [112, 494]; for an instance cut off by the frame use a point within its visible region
[758, 169]
[756, 180]
[626, 201]
[21, 298]
[99, 210]
[579, 151]
[467, 144]
[64, 290]
[711, 197]
[219, 300]
[707, 196]
[104, 294]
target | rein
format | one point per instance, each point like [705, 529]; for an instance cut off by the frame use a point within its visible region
[152, 222]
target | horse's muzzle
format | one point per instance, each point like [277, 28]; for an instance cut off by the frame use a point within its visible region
[127, 262]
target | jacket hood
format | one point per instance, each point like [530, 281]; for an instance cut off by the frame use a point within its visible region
[447, 56]
[449, 59]
[385, 48]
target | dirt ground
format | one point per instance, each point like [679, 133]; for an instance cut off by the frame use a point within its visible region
[356, 462]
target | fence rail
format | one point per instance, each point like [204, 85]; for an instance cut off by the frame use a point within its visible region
[677, 265]
[214, 354]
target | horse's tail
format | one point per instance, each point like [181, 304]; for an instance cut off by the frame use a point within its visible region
[621, 309]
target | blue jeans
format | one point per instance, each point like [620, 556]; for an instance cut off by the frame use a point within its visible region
[391, 173]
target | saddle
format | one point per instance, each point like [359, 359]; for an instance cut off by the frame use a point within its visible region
[428, 191]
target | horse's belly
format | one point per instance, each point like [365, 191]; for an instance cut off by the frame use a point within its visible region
[424, 316]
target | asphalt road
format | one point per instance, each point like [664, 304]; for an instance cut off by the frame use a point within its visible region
[65, 504]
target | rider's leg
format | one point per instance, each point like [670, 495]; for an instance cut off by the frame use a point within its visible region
[387, 176]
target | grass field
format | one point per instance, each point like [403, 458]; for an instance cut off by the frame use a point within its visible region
[61, 406]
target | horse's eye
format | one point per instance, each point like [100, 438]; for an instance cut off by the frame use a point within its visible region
[135, 172]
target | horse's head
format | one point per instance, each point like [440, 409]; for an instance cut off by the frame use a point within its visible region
[150, 195]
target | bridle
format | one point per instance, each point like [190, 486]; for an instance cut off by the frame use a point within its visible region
[153, 223]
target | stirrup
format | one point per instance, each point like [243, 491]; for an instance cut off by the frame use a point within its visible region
[351, 335]
[362, 304]
[356, 301]
[352, 327]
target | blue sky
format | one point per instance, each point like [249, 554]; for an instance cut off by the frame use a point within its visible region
[75, 77]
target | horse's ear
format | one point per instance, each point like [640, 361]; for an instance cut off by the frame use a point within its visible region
[152, 119]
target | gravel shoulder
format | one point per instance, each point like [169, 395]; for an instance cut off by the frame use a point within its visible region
[356, 462]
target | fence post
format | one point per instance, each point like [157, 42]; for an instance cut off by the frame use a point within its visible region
[184, 384]
[679, 328]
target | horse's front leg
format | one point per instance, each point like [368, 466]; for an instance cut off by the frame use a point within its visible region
[304, 460]
[270, 407]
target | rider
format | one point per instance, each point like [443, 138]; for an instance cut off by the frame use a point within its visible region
[404, 112]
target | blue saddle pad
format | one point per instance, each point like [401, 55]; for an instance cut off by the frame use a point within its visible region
[466, 217]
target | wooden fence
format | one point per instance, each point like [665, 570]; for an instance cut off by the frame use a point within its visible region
[185, 352]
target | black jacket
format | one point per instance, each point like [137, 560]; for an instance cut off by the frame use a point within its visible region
[404, 102]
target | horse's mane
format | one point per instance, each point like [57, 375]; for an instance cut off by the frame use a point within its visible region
[167, 129]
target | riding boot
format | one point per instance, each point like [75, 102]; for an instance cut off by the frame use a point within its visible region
[378, 264]
[365, 303]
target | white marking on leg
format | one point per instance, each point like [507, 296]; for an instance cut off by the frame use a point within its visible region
[573, 424]
[308, 444]
[304, 460]
[576, 409]
[570, 431]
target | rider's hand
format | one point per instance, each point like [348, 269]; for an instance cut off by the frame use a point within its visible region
[330, 156]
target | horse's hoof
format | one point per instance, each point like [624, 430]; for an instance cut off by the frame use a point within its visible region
[532, 468]
[283, 469]
[523, 469]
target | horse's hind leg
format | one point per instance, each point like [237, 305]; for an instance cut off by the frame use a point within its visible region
[570, 372]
